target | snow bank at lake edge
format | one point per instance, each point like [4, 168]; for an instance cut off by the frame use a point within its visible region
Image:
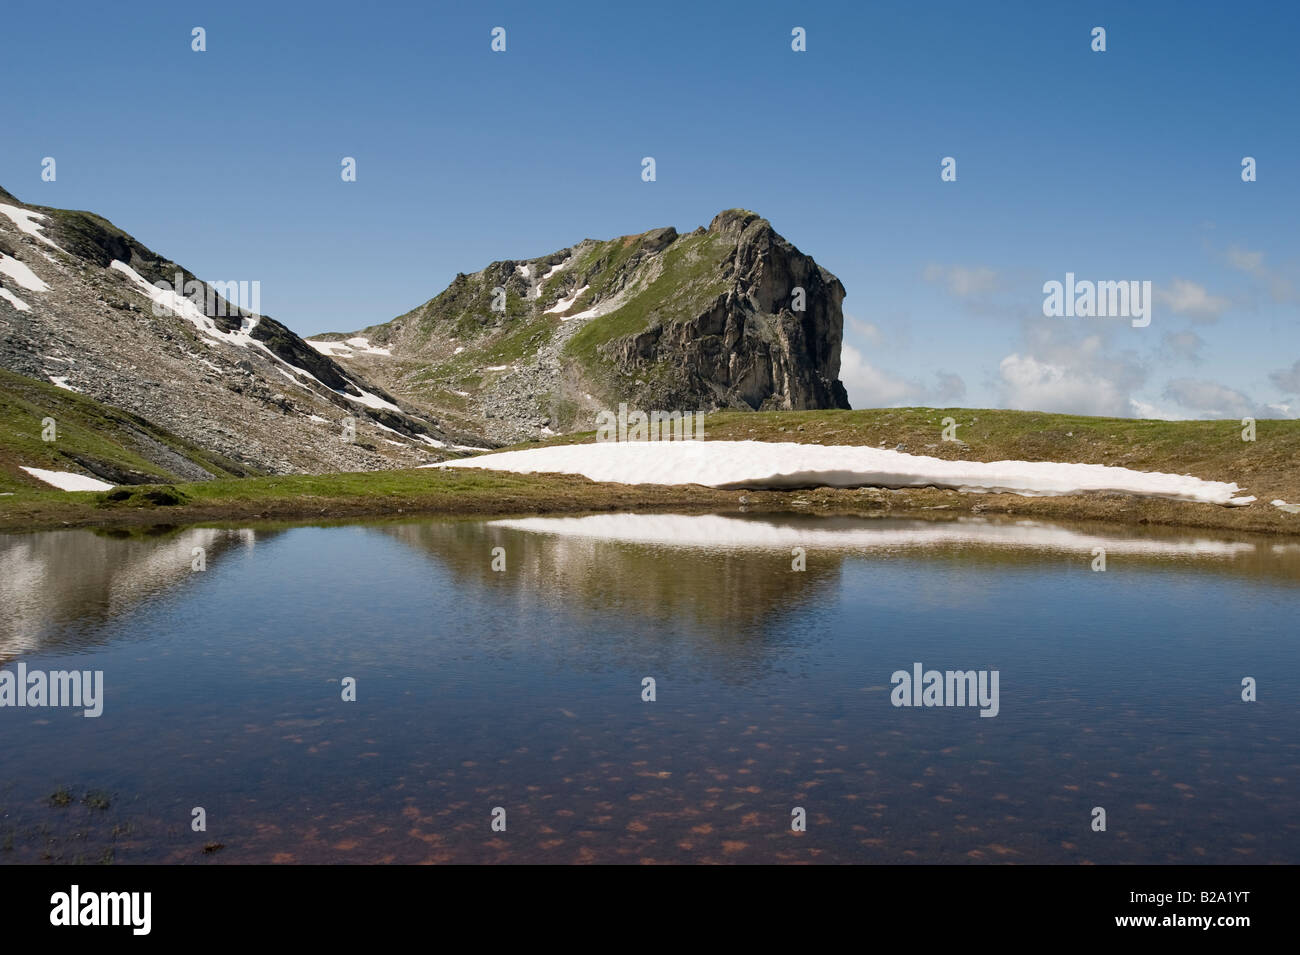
[772, 465]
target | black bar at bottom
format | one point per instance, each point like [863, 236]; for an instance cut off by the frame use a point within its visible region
[332, 904]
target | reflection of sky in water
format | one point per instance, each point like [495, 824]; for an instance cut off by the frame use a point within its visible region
[522, 689]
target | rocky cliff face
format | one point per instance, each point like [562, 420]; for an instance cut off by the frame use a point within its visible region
[732, 316]
[750, 348]
[79, 307]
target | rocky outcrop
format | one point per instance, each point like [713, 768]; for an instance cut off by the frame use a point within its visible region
[732, 316]
[751, 348]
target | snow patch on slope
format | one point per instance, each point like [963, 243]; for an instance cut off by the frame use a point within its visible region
[24, 220]
[365, 398]
[761, 464]
[346, 349]
[14, 300]
[21, 274]
[68, 481]
[186, 309]
[604, 308]
[363, 345]
[564, 304]
[332, 349]
[242, 338]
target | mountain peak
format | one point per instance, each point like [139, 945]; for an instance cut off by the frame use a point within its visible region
[733, 221]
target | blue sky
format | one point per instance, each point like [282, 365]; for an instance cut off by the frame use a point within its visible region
[1117, 165]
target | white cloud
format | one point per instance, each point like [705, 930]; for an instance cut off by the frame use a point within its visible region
[1030, 384]
[1287, 379]
[1193, 300]
[870, 387]
[1071, 368]
[1245, 260]
[1280, 288]
[1185, 345]
[867, 330]
[1142, 409]
[952, 387]
[962, 281]
[1213, 400]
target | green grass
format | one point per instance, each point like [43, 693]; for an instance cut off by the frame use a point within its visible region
[521, 339]
[691, 278]
[341, 496]
[84, 429]
[1213, 450]
[1207, 449]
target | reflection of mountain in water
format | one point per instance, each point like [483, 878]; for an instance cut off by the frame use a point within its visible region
[727, 591]
[736, 570]
[715, 581]
[57, 587]
[731, 573]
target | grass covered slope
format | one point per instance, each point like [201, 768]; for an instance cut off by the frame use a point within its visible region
[91, 438]
[1212, 450]
[692, 277]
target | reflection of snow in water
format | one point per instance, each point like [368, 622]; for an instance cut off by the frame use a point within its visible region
[717, 531]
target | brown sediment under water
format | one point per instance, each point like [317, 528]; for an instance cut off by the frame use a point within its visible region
[502, 665]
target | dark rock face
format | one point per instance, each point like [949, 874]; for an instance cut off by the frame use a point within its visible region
[750, 347]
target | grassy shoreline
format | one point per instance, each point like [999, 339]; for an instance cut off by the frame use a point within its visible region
[1213, 450]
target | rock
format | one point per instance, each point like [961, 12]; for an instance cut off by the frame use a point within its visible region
[706, 320]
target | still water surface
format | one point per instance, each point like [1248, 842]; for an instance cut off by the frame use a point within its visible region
[522, 689]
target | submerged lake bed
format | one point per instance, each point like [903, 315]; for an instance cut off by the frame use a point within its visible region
[400, 691]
